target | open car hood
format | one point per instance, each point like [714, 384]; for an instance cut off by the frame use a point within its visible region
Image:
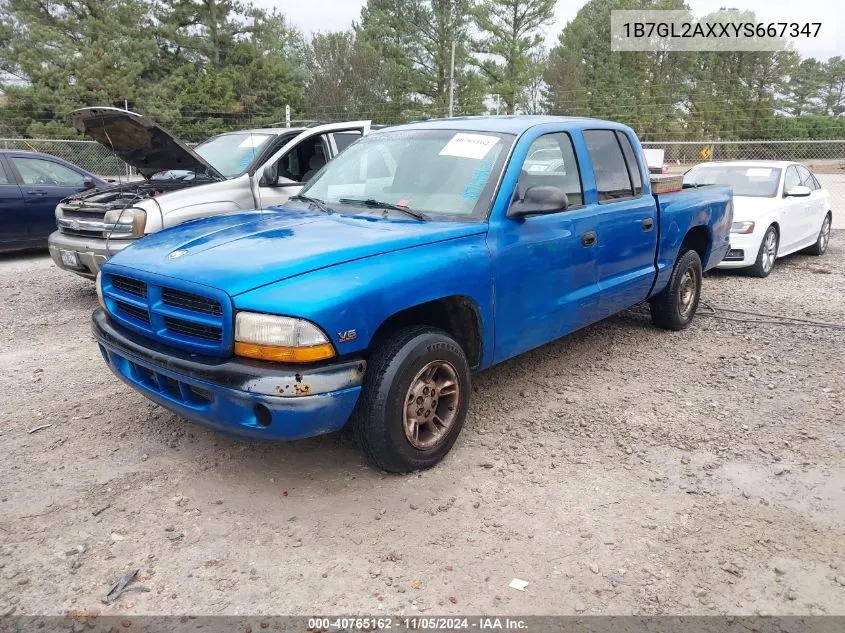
[139, 141]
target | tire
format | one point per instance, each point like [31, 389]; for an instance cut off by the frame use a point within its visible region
[823, 239]
[675, 306]
[398, 376]
[767, 255]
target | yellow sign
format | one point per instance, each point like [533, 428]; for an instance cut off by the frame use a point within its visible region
[706, 152]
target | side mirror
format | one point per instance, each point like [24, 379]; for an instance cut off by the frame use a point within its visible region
[270, 176]
[798, 191]
[538, 201]
[88, 183]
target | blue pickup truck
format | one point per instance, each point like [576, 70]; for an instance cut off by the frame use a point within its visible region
[421, 254]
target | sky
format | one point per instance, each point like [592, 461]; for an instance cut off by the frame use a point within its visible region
[335, 15]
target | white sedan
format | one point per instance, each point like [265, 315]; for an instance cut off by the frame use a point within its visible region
[779, 208]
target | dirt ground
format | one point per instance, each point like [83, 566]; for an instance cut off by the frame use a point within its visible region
[620, 470]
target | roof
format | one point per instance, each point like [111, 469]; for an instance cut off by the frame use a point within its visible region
[508, 124]
[266, 130]
[752, 163]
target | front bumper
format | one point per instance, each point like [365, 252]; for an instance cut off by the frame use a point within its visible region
[250, 399]
[90, 251]
[749, 245]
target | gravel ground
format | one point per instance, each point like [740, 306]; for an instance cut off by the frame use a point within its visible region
[620, 470]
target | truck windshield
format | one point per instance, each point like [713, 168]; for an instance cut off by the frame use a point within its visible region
[444, 174]
[755, 181]
[231, 154]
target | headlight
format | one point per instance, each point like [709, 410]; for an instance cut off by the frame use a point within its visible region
[742, 227]
[60, 211]
[280, 339]
[125, 222]
[99, 286]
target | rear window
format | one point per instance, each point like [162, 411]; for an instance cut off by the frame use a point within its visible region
[612, 179]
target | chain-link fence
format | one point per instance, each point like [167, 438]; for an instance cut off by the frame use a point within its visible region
[89, 155]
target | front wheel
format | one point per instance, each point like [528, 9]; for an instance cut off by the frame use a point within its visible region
[675, 306]
[414, 400]
[767, 254]
[823, 239]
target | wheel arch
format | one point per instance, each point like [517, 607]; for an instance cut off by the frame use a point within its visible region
[457, 315]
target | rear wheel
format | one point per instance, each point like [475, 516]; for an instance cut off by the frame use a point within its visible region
[674, 308]
[414, 401]
[767, 254]
[823, 240]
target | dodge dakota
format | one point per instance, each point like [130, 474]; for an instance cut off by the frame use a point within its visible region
[229, 172]
[421, 254]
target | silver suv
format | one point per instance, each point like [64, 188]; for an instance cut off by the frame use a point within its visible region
[246, 169]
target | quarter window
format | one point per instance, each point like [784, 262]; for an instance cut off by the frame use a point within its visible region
[612, 178]
[35, 171]
[551, 162]
[4, 179]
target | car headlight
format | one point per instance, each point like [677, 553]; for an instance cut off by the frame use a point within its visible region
[60, 211]
[280, 339]
[99, 285]
[742, 227]
[125, 222]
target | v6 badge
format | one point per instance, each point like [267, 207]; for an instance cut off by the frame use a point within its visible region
[347, 335]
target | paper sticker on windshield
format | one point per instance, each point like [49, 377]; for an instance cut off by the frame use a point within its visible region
[758, 172]
[469, 145]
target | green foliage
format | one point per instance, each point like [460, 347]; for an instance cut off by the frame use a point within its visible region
[199, 67]
[510, 40]
[205, 66]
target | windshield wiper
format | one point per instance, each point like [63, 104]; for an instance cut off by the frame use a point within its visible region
[378, 204]
[315, 201]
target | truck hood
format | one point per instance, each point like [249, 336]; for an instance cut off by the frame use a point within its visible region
[242, 251]
[139, 141]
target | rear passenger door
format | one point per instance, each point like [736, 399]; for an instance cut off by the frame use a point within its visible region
[812, 222]
[12, 211]
[626, 220]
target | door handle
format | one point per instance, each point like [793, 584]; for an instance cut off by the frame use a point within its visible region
[648, 224]
[37, 192]
[589, 238]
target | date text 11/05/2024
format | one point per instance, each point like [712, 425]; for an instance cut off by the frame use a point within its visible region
[431, 623]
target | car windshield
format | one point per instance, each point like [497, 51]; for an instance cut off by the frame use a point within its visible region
[747, 180]
[230, 154]
[444, 174]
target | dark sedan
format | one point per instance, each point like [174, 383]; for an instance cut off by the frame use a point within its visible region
[31, 185]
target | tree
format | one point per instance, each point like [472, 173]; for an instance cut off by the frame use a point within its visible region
[510, 36]
[64, 54]
[344, 78]
[804, 88]
[643, 89]
[833, 90]
[414, 38]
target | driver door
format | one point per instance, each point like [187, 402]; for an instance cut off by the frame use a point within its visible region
[287, 171]
[44, 183]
